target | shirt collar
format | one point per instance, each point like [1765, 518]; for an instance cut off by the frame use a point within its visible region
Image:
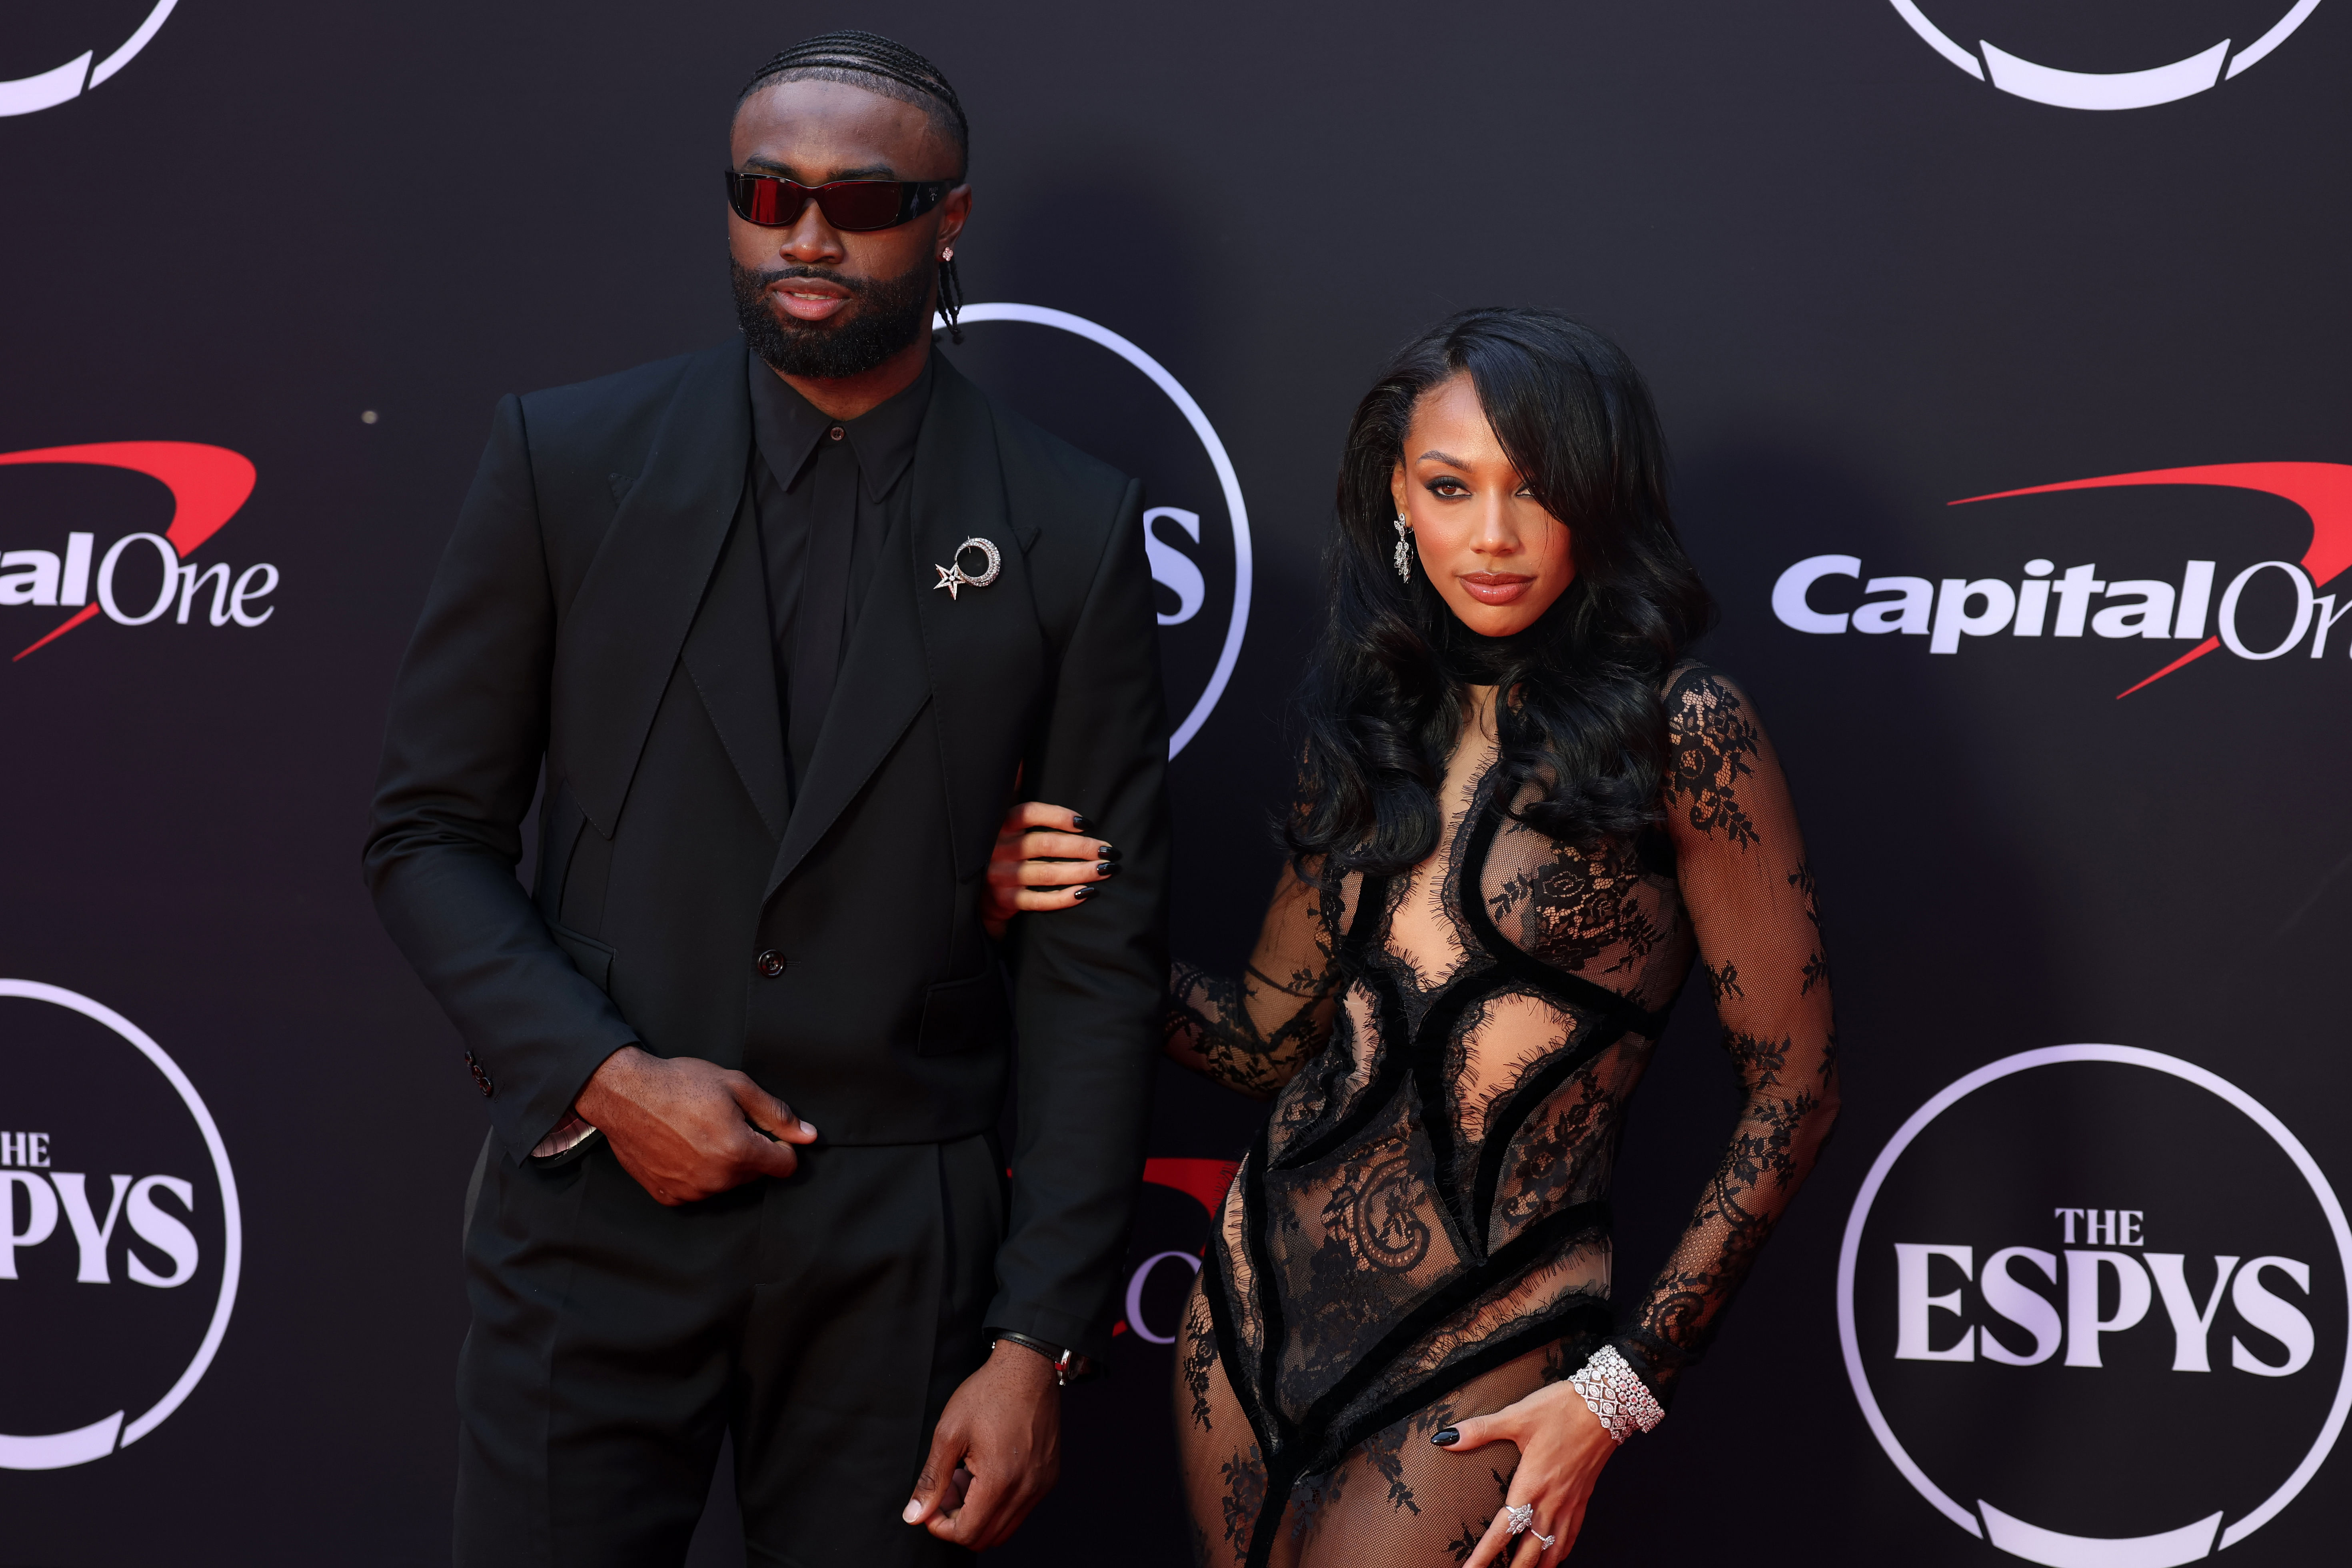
[788, 427]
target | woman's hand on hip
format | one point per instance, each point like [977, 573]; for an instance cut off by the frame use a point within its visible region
[1563, 1447]
[1046, 858]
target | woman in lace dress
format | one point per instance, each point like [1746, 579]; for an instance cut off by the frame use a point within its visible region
[1522, 814]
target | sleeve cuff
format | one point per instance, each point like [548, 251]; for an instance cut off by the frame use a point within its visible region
[1657, 1364]
[1055, 1328]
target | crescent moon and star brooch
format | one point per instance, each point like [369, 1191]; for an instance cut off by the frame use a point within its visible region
[954, 578]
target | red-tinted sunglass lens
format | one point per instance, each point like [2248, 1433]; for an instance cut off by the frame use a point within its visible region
[769, 202]
[860, 203]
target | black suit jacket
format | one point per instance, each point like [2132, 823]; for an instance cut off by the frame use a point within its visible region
[601, 607]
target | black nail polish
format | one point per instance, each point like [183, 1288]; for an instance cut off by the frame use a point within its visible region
[1106, 852]
[1082, 893]
[1081, 824]
[1105, 868]
[1446, 1437]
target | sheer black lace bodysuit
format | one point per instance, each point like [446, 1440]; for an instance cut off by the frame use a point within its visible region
[1421, 1231]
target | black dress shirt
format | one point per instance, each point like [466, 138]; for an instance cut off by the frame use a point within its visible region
[826, 491]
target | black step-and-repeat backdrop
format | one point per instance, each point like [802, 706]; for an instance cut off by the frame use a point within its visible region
[2003, 346]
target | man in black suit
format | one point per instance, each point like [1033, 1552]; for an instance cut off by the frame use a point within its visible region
[782, 621]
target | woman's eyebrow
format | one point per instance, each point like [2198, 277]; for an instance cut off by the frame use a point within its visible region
[1436, 455]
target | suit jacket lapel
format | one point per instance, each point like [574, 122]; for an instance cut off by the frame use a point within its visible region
[620, 639]
[896, 657]
[983, 646]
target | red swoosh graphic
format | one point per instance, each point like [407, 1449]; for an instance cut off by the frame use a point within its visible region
[1205, 1181]
[208, 484]
[2323, 491]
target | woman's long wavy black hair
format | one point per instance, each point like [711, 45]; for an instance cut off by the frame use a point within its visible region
[1385, 693]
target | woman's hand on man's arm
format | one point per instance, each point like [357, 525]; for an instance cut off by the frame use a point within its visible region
[1248, 1033]
[1046, 858]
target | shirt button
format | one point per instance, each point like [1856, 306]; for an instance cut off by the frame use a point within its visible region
[836, 433]
[771, 964]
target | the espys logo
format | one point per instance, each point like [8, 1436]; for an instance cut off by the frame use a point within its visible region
[2106, 32]
[2049, 602]
[1151, 427]
[140, 577]
[48, 89]
[2091, 1302]
[120, 1235]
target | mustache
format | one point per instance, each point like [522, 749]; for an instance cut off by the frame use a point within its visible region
[762, 278]
[885, 315]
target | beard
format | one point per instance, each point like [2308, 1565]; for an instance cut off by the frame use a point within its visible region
[886, 315]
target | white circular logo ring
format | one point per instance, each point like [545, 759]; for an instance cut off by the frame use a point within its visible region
[59, 1450]
[2104, 89]
[1040, 315]
[2015, 1536]
[51, 88]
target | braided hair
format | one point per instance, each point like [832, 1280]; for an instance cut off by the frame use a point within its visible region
[882, 66]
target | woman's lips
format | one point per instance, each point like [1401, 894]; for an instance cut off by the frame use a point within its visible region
[1495, 587]
[809, 302]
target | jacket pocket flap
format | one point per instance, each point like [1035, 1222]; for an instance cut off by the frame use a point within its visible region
[588, 956]
[965, 1015]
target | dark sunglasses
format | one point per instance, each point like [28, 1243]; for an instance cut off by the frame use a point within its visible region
[857, 205]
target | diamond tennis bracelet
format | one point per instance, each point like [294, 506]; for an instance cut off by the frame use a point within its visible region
[1621, 1402]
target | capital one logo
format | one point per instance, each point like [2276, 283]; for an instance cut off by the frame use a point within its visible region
[2265, 609]
[2114, 30]
[120, 1232]
[1152, 1290]
[1195, 526]
[138, 577]
[2091, 1302]
[48, 89]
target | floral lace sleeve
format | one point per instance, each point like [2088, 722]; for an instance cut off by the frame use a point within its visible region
[1251, 1033]
[1740, 861]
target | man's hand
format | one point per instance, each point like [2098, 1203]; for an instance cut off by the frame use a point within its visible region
[1001, 1438]
[688, 1129]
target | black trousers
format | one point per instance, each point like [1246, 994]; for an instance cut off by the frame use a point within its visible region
[823, 1320]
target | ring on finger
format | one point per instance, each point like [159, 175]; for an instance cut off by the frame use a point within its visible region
[1522, 1517]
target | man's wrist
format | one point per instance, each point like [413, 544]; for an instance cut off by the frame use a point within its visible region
[605, 1081]
[1068, 1365]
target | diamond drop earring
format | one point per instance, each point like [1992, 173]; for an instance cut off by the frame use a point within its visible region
[1403, 557]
